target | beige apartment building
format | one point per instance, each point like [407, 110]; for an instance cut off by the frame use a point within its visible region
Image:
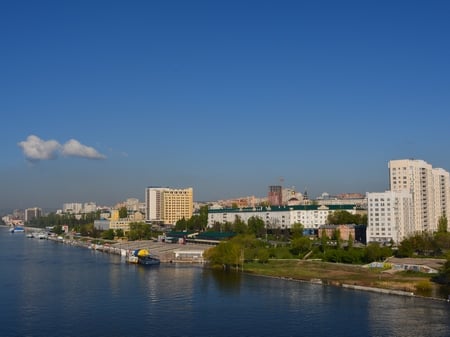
[167, 206]
[429, 188]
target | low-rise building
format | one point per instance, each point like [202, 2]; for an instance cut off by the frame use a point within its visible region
[115, 223]
[346, 232]
[310, 216]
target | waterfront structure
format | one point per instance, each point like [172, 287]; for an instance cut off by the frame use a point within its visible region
[283, 217]
[32, 213]
[429, 188]
[166, 205]
[390, 216]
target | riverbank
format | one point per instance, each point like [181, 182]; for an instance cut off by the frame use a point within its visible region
[352, 276]
[332, 274]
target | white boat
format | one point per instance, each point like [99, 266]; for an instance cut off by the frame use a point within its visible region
[17, 229]
[133, 259]
[42, 235]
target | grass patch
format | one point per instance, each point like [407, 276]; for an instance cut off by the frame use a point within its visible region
[332, 273]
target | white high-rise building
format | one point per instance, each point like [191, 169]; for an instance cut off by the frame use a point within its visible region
[89, 207]
[390, 216]
[73, 207]
[429, 188]
[167, 206]
[441, 193]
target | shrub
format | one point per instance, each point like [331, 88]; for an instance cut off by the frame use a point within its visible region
[424, 286]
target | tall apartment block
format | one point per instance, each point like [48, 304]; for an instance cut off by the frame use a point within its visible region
[32, 213]
[390, 216]
[429, 188]
[166, 205]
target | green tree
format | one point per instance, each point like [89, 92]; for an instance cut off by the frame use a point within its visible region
[198, 222]
[442, 240]
[139, 231]
[444, 274]
[337, 237]
[350, 242]
[108, 234]
[442, 224]
[323, 240]
[300, 245]
[345, 217]
[256, 226]
[181, 225]
[230, 254]
[239, 226]
[58, 230]
[374, 252]
[226, 254]
[297, 230]
[263, 255]
[123, 212]
[120, 233]
[405, 249]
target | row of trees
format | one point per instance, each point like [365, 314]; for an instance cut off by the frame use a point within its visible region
[138, 231]
[53, 219]
[426, 243]
[243, 248]
[198, 222]
[344, 217]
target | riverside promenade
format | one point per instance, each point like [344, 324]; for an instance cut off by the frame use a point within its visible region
[166, 252]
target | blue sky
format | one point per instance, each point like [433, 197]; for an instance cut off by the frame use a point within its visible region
[100, 99]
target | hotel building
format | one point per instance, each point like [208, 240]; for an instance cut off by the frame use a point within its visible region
[167, 206]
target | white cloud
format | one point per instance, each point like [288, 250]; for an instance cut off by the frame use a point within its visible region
[74, 148]
[35, 149]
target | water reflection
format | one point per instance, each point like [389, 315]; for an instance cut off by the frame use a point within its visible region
[227, 281]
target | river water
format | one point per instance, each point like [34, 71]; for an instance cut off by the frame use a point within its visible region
[52, 289]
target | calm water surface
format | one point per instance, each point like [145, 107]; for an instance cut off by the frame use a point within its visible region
[51, 289]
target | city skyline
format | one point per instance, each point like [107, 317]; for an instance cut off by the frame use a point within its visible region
[100, 100]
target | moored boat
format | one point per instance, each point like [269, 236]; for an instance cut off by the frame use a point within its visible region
[42, 235]
[149, 260]
[143, 256]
